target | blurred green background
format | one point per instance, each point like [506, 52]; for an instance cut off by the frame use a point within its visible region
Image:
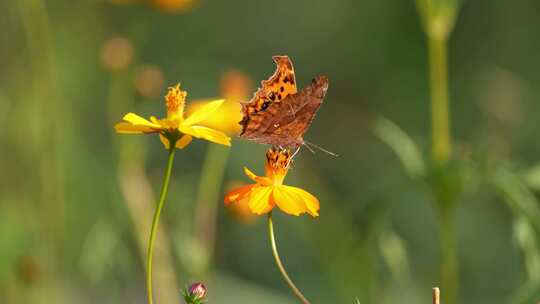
[76, 199]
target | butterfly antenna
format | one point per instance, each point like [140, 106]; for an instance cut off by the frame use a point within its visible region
[308, 144]
[308, 147]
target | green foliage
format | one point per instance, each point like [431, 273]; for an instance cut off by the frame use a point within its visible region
[402, 145]
[70, 231]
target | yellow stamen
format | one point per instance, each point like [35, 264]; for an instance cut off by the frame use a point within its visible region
[277, 164]
[175, 101]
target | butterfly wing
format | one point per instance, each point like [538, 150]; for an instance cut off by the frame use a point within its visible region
[284, 123]
[276, 88]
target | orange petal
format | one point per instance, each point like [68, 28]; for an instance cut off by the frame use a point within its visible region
[250, 174]
[311, 202]
[260, 200]
[289, 201]
[263, 180]
[238, 194]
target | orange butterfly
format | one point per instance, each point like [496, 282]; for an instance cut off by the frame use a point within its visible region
[277, 114]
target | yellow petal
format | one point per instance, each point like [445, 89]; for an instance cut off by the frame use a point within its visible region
[137, 120]
[206, 133]
[129, 128]
[260, 200]
[263, 180]
[225, 119]
[203, 113]
[183, 141]
[311, 202]
[238, 194]
[289, 201]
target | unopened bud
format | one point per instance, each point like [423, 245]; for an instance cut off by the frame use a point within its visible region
[198, 290]
[195, 293]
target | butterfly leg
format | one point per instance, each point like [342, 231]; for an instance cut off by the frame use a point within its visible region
[294, 154]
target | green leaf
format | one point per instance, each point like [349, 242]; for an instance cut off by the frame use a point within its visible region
[403, 146]
[529, 293]
[532, 177]
[394, 253]
[518, 197]
[527, 239]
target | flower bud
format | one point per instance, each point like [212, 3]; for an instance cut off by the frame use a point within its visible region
[195, 293]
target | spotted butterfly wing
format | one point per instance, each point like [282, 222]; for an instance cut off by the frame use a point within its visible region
[284, 123]
[276, 88]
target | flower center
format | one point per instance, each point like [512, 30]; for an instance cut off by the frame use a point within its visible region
[175, 101]
[278, 162]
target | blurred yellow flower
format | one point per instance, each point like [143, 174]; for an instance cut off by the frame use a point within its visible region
[149, 80]
[117, 53]
[175, 126]
[269, 191]
[174, 6]
[235, 87]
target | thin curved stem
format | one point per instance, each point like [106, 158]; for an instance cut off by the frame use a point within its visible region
[295, 289]
[155, 221]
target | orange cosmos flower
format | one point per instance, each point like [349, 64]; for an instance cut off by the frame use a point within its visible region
[241, 211]
[175, 127]
[269, 191]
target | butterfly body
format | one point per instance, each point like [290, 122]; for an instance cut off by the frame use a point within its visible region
[278, 115]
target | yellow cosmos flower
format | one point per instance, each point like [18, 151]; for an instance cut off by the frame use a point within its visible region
[175, 127]
[269, 191]
[225, 119]
[235, 87]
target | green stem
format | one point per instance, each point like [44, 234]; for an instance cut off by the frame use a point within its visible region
[293, 287]
[439, 18]
[440, 122]
[449, 263]
[207, 202]
[441, 150]
[155, 220]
